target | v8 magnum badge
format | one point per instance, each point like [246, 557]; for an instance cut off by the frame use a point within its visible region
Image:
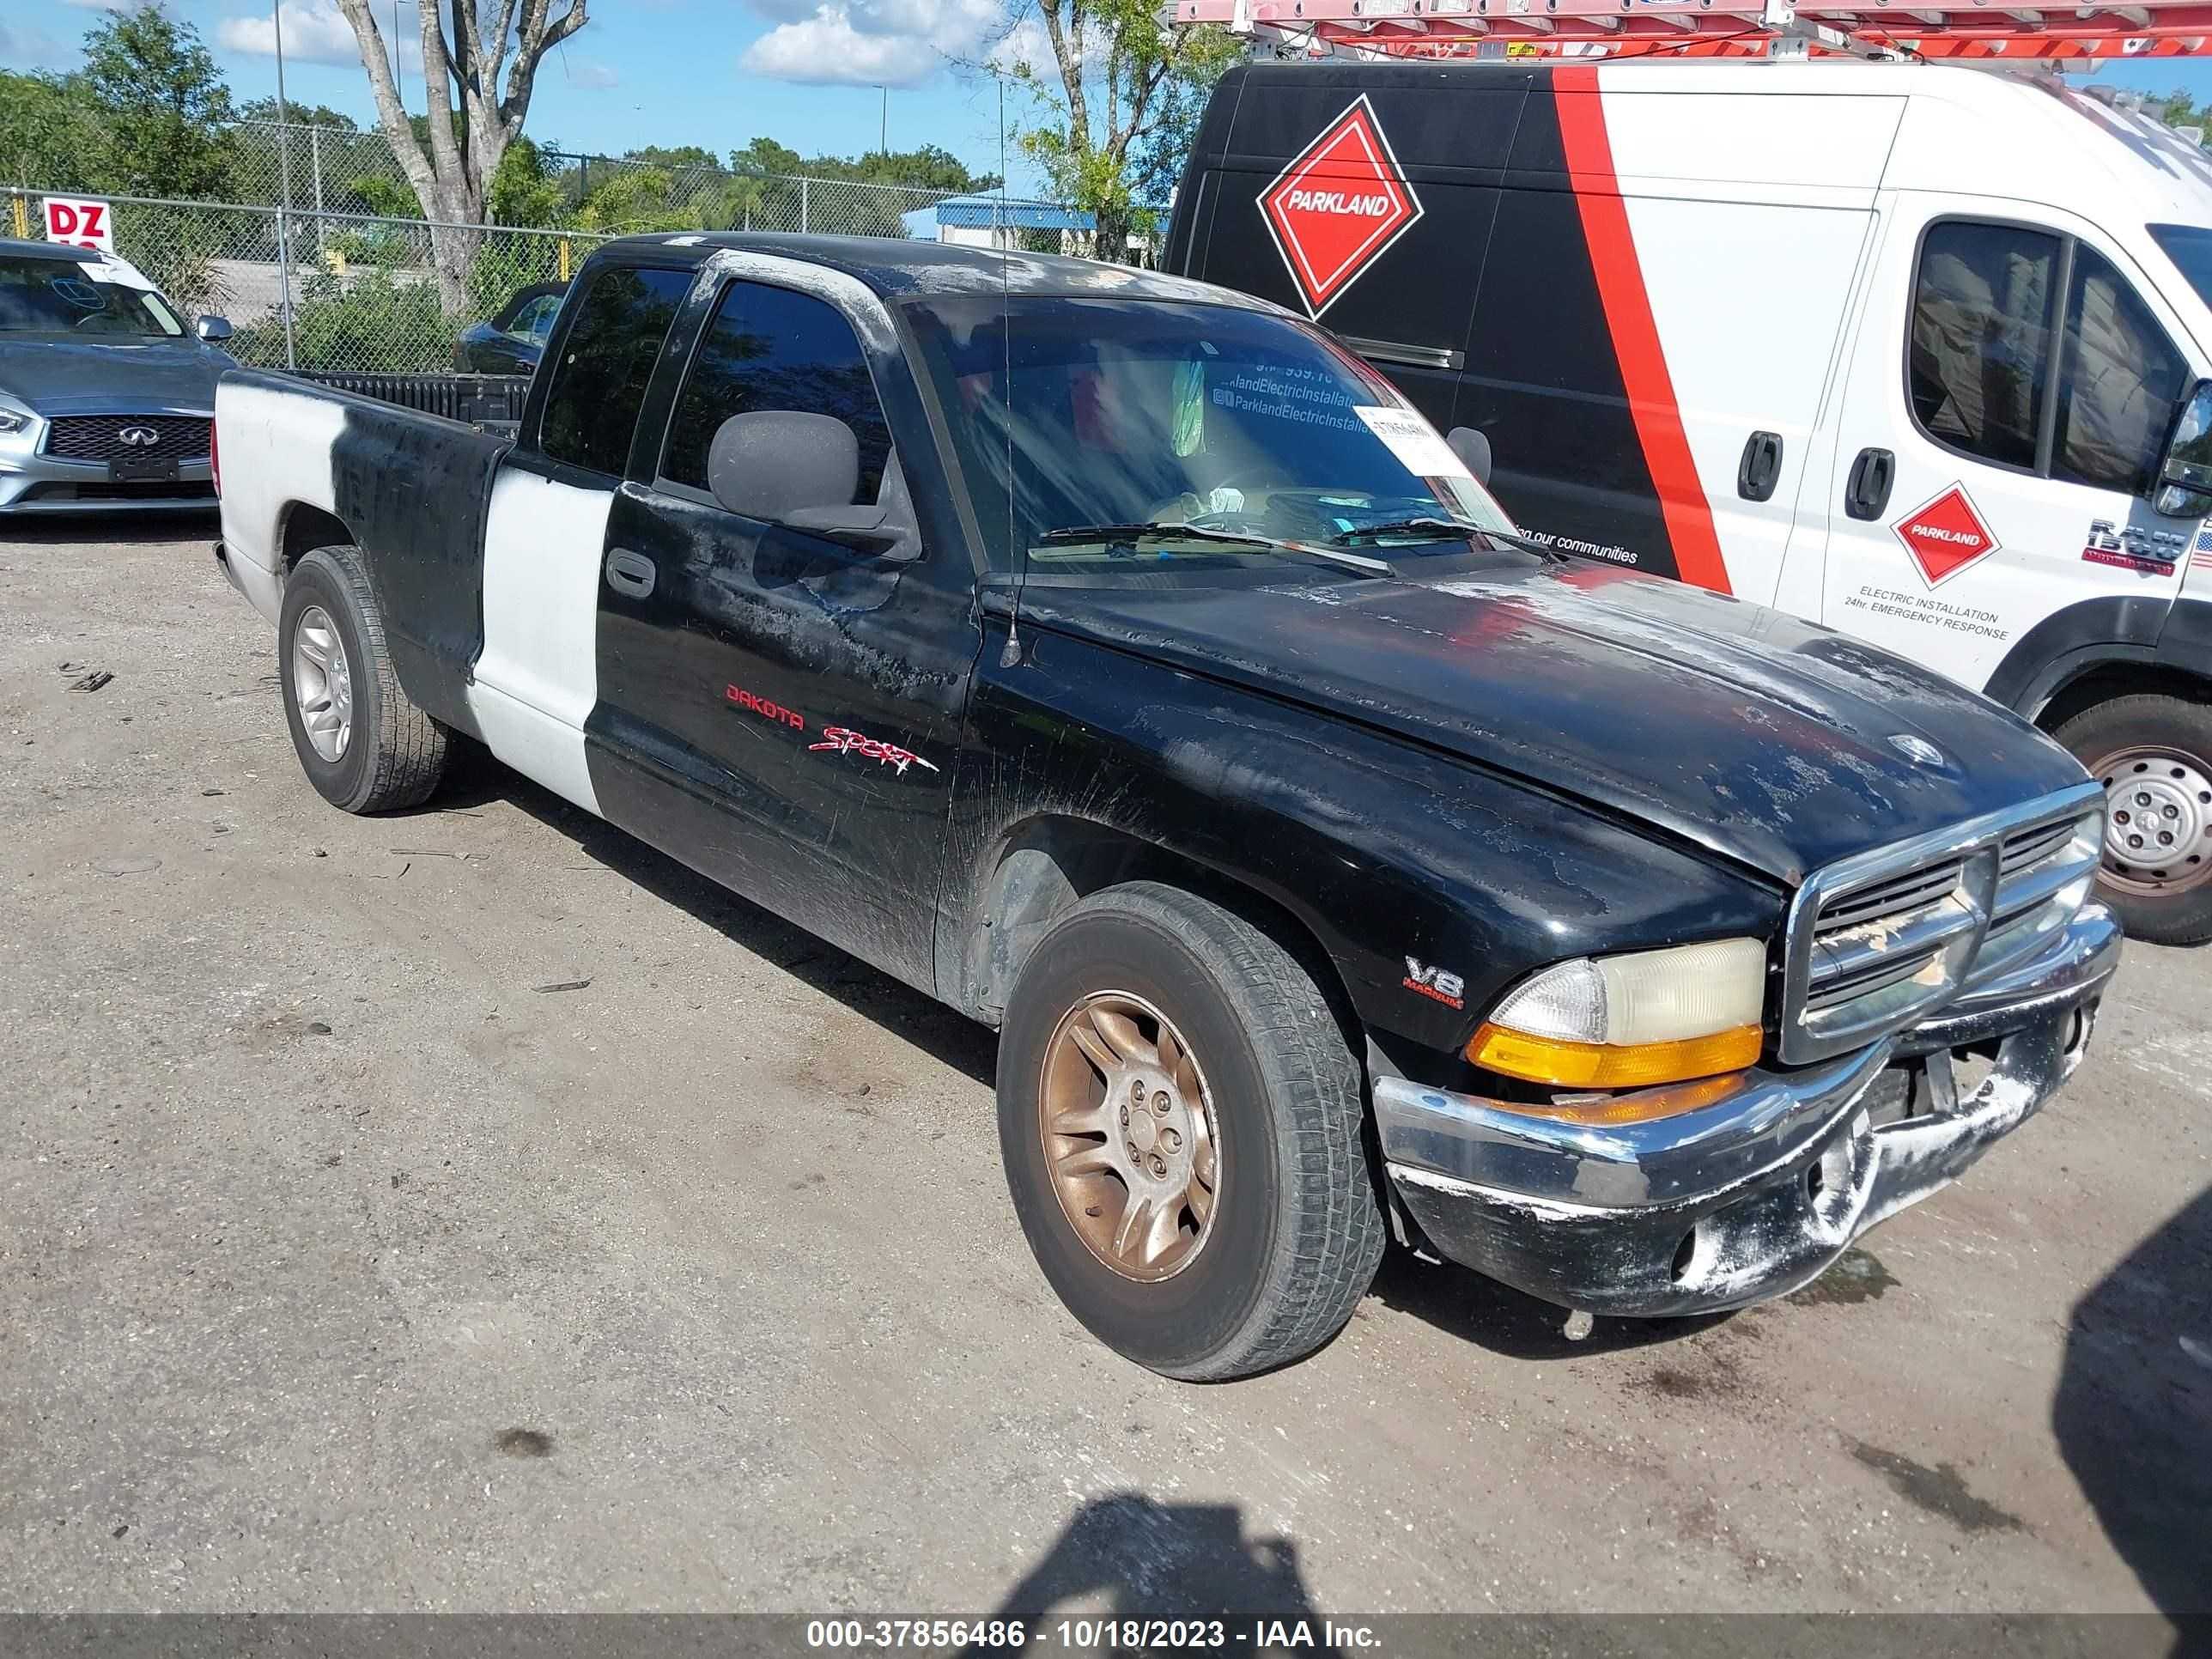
[1338, 204]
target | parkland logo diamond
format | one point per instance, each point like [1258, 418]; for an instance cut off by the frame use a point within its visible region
[1338, 204]
[1945, 537]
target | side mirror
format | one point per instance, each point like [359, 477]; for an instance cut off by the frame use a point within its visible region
[2185, 474]
[213, 330]
[773, 462]
[1474, 448]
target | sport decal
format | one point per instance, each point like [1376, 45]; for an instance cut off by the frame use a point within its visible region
[1340, 203]
[1649, 388]
[838, 740]
[1945, 536]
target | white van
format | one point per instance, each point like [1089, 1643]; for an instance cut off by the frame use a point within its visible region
[1920, 352]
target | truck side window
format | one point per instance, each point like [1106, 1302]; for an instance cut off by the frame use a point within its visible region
[2118, 380]
[771, 348]
[599, 382]
[1980, 347]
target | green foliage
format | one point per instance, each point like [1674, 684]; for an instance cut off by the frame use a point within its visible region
[525, 190]
[161, 104]
[46, 129]
[177, 248]
[2179, 111]
[385, 199]
[300, 115]
[505, 263]
[373, 321]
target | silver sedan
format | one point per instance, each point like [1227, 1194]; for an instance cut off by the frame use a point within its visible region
[106, 399]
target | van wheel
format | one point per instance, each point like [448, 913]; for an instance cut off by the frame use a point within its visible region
[2153, 756]
[1181, 1120]
[364, 745]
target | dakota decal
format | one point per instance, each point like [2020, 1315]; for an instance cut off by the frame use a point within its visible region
[739, 698]
[1340, 202]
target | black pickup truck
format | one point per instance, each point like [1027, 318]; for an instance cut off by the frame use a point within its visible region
[1121, 662]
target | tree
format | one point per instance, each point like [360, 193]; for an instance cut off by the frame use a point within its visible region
[1118, 79]
[2179, 111]
[163, 109]
[451, 174]
[48, 134]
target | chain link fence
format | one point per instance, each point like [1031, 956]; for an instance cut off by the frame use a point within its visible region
[366, 292]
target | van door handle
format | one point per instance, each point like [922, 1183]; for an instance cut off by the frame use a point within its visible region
[1760, 470]
[630, 573]
[1867, 492]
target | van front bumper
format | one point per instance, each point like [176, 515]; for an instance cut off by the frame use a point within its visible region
[1754, 1194]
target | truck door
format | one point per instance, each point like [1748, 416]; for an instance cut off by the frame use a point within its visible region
[2012, 383]
[783, 710]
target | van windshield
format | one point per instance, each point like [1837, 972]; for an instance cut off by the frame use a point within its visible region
[1111, 416]
[61, 296]
[2190, 247]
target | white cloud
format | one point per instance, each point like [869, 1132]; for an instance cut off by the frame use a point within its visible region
[588, 75]
[315, 33]
[895, 43]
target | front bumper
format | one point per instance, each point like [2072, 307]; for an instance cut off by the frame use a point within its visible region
[35, 484]
[1755, 1193]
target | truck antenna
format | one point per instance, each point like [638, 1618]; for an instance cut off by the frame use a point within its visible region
[1011, 656]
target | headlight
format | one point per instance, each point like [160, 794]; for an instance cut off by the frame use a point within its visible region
[13, 420]
[1628, 1022]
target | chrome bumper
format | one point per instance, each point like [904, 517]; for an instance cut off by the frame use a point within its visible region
[1750, 1196]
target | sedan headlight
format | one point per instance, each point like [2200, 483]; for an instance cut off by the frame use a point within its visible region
[1630, 1021]
[13, 420]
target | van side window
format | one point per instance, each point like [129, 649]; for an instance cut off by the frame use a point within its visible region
[1980, 347]
[770, 348]
[2119, 379]
[599, 382]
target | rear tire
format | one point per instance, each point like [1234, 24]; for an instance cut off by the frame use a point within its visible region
[2153, 756]
[362, 743]
[1265, 1265]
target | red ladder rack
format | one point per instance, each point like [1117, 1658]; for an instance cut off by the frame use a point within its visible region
[1713, 28]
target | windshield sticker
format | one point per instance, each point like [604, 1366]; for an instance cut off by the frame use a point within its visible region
[1414, 441]
[1288, 392]
[79, 293]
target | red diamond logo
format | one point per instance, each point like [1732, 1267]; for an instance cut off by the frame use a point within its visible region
[1341, 202]
[1945, 537]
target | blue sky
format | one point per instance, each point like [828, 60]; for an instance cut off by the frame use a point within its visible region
[713, 72]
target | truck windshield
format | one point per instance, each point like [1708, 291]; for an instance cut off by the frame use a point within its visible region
[61, 296]
[2190, 247]
[1107, 416]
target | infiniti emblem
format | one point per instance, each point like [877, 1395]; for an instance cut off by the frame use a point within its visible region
[139, 437]
[1917, 750]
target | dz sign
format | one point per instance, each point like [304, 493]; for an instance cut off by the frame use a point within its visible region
[86, 223]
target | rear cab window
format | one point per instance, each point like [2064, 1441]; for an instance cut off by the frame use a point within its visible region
[605, 361]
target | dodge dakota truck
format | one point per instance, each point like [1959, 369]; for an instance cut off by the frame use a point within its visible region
[1122, 662]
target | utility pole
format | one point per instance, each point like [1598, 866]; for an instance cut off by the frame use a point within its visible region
[884, 130]
[283, 188]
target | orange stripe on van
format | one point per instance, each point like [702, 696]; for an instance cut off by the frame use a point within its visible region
[1620, 289]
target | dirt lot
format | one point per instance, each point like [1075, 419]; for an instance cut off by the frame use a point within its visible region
[348, 1261]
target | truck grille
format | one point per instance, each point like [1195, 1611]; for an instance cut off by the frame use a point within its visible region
[1879, 940]
[100, 437]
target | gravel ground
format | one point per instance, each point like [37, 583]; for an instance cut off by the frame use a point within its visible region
[346, 1265]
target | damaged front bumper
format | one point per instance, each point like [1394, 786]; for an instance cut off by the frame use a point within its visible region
[1754, 1194]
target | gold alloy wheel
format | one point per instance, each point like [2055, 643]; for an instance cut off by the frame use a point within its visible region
[1129, 1135]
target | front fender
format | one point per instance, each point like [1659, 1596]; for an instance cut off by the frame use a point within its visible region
[1396, 858]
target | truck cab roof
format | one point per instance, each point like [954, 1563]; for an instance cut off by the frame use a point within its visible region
[902, 270]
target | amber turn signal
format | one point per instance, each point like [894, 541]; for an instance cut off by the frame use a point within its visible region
[1567, 1064]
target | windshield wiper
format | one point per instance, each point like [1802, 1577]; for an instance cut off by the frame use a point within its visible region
[1454, 530]
[1132, 532]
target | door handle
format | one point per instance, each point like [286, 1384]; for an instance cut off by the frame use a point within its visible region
[1867, 492]
[630, 573]
[1760, 470]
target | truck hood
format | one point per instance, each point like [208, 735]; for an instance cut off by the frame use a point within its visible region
[85, 377]
[1761, 737]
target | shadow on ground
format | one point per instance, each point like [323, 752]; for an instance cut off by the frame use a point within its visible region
[60, 530]
[1126, 1556]
[2133, 1413]
[943, 1035]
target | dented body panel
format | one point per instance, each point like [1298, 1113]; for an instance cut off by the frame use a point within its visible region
[1428, 780]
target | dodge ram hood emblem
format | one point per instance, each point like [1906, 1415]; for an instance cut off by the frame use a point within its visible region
[139, 437]
[1918, 750]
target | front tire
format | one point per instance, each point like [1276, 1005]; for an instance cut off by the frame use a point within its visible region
[2153, 756]
[362, 741]
[1181, 1119]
